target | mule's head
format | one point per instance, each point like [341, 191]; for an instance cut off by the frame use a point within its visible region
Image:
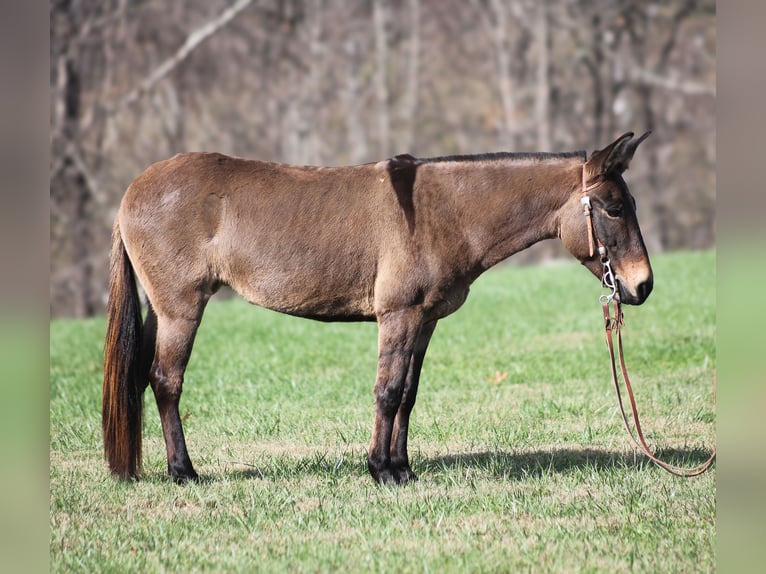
[615, 225]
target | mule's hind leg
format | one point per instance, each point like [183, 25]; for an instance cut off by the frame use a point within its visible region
[148, 345]
[400, 461]
[172, 351]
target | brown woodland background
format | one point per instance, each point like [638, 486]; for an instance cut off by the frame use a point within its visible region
[342, 82]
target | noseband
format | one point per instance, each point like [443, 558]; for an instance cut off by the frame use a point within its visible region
[613, 324]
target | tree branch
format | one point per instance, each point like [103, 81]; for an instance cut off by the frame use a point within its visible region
[193, 40]
[648, 78]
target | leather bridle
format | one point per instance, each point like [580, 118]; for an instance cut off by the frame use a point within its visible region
[612, 326]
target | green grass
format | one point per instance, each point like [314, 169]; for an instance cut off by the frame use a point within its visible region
[523, 462]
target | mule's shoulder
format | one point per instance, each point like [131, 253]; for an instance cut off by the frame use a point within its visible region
[402, 170]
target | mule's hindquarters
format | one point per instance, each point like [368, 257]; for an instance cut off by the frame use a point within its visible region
[136, 354]
[124, 373]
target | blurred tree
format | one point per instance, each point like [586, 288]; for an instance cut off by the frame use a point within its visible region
[335, 82]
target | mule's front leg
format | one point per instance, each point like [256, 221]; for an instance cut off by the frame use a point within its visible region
[400, 460]
[397, 334]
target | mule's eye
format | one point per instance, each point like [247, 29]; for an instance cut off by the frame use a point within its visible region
[614, 211]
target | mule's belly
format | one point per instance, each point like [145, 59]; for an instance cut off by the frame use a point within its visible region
[314, 303]
[309, 288]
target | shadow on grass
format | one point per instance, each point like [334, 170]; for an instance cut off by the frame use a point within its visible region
[521, 465]
[320, 465]
[237, 475]
[504, 465]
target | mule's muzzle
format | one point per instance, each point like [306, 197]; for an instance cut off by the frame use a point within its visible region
[640, 295]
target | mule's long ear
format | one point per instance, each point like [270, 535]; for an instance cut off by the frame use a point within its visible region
[615, 158]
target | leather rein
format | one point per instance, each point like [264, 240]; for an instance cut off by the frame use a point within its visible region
[612, 327]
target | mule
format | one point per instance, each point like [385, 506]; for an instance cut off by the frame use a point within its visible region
[398, 242]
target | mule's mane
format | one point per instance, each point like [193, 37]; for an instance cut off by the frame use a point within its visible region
[502, 155]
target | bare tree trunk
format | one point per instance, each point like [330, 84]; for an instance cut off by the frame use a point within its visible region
[505, 82]
[662, 198]
[312, 101]
[413, 77]
[352, 94]
[294, 131]
[69, 181]
[381, 63]
[662, 214]
[543, 91]
[593, 62]
[73, 184]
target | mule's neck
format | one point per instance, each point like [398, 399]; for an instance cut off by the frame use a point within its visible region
[509, 204]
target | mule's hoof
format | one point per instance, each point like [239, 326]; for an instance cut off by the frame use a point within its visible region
[381, 471]
[384, 476]
[183, 476]
[387, 475]
[405, 475]
[182, 480]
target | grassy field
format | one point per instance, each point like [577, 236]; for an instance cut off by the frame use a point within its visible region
[523, 462]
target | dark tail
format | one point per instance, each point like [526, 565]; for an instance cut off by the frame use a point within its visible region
[122, 399]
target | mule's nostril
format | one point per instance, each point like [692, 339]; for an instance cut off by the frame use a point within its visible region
[645, 288]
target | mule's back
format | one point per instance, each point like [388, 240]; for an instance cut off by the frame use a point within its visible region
[300, 240]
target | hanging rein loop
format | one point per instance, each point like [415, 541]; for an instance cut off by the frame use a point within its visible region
[613, 325]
